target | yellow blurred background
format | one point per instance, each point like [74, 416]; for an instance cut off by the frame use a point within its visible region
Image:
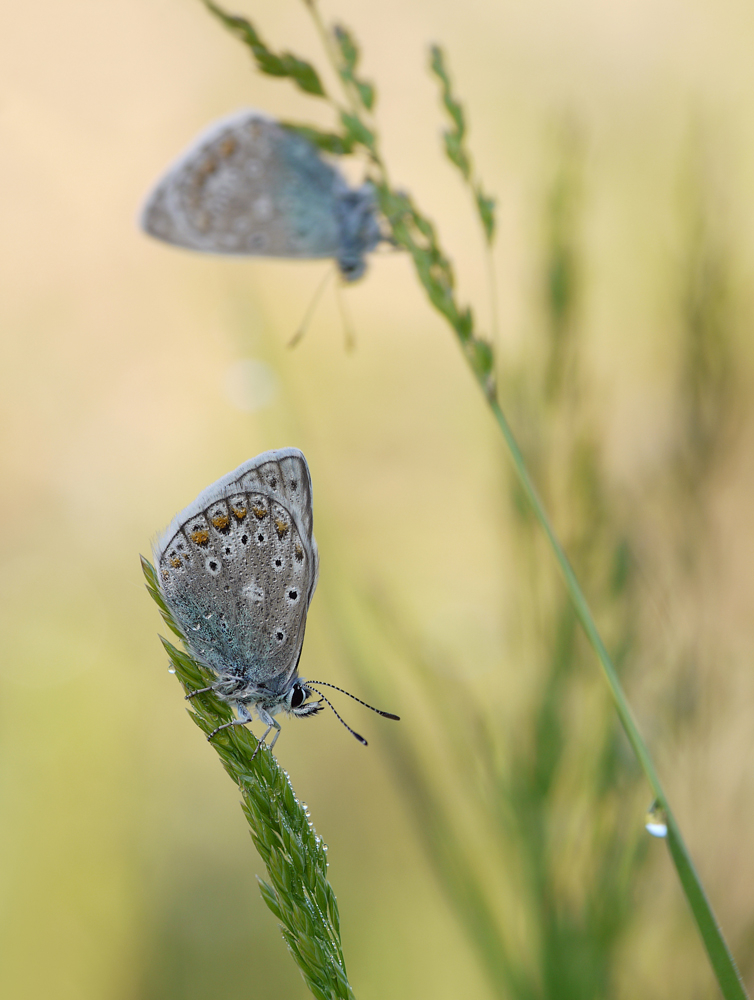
[133, 375]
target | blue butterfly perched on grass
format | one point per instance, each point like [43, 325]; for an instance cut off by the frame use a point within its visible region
[249, 186]
[236, 571]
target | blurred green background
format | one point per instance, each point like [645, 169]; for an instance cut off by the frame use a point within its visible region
[619, 140]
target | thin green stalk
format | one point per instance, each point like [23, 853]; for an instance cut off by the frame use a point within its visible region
[719, 954]
[457, 152]
[332, 53]
[717, 948]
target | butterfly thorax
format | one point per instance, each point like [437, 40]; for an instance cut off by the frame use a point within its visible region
[359, 229]
[240, 691]
[265, 703]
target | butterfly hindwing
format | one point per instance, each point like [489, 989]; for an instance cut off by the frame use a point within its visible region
[238, 568]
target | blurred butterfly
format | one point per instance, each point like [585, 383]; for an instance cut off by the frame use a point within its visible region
[248, 186]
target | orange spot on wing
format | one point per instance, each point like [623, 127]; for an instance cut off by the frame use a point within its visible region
[200, 536]
[221, 521]
[239, 512]
[259, 512]
[205, 169]
[281, 527]
[227, 147]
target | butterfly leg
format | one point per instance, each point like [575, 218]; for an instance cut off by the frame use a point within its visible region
[243, 718]
[193, 694]
[277, 733]
[271, 723]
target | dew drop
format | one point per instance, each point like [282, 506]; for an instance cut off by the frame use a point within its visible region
[655, 821]
[171, 669]
[657, 829]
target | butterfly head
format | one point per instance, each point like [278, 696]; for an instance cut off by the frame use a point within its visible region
[296, 702]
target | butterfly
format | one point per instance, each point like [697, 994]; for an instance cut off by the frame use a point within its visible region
[237, 570]
[249, 186]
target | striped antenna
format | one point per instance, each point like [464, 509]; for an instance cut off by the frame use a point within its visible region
[385, 715]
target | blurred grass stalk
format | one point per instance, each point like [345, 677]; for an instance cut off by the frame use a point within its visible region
[576, 937]
[531, 790]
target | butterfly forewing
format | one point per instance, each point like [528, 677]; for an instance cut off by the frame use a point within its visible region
[248, 186]
[238, 568]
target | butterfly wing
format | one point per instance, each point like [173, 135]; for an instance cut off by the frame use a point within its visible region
[247, 186]
[238, 568]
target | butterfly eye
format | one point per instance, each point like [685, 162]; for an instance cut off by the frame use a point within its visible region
[298, 696]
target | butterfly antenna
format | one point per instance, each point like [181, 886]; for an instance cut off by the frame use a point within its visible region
[327, 701]
[345, 319]
[304, 325]
[385, 715]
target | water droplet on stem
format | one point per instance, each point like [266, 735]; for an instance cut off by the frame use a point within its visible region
[655, 822]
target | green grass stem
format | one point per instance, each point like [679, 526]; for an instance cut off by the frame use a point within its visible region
[719, 954]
